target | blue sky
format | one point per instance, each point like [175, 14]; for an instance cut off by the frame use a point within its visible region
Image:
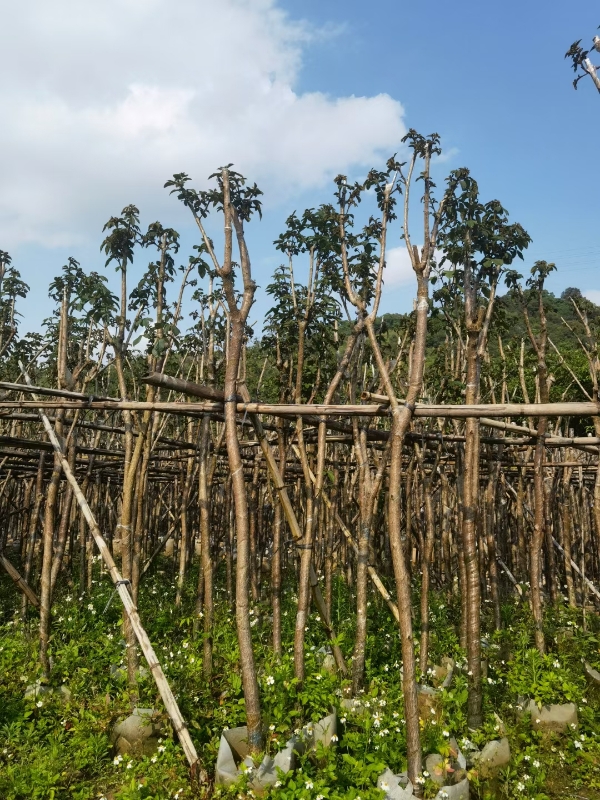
[92, 125]
[491, 79]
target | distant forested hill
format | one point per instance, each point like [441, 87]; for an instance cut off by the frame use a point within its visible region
[565, 329]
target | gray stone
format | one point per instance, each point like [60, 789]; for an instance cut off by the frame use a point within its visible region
[459, 761]
[65, 693]
[326, 660]
[138, 733]
[435, 764]
[329, 664]
[459, 791]
[471, 751]
[396, 787]
[592, 674]
[353, 705]
[39, 689]
[449, 664]
[233, 760]
[494, 757]
[556, 718]
[118, 672]
[319, 732]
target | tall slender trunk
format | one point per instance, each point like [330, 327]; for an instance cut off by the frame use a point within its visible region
[205, 549]
[47, 557]
[469, 538]
[33, 526]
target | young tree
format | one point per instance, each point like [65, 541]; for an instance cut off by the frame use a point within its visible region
[478, 242]
[11, 287]
[539, 273]
[580, 61]
[238, 203]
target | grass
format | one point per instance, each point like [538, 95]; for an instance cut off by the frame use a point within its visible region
[54, 749]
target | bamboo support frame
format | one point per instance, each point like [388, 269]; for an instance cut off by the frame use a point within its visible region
[422, 410]
[128, 604]
[378, 583]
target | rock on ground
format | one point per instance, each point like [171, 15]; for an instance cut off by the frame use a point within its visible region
[458, 792]
[39, 689]
[396, 787]
[494, 757]
[556, 718]
[435, 766]
[138, 733]
[592, 674]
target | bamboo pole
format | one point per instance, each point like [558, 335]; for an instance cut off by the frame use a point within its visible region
[479, 410]
[347, 533]
[19, 581]
[22, 387]
[158, 549]
[130, 609]
[588, 583]
[157, 379]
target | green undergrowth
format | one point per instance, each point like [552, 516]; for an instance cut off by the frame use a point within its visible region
[55, 748]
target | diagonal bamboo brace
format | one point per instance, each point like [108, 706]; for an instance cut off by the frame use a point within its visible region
[19, 581]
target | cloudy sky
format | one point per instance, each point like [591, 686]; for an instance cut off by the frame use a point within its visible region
[103, 101]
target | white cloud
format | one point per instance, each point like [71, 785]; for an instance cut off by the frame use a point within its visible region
[593, 295]
[103, 101]
[398, 268]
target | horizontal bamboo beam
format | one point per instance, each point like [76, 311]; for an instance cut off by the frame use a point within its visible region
[187, 387]
[23, 387]
[587, 409]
